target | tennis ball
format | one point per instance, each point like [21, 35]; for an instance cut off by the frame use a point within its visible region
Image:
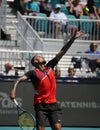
[86, 10]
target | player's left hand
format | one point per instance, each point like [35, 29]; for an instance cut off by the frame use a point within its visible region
[79, 34]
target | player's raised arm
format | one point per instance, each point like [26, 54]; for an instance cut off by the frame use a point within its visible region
[64, 49]
[13, 90]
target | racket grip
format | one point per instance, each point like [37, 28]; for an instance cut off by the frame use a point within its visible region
[15, 102]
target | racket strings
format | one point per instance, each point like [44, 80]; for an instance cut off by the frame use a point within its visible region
[26, 121]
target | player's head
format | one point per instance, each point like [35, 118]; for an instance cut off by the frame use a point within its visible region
[38, 62]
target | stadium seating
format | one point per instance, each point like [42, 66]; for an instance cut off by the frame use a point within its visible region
[97, 3]
[70, 16]
[76, 23]
[42, 23]
[54, 2]
[64, 9]
[86, 26]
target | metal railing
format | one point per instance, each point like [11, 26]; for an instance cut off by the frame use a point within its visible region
[46, 29]
[2, 15]
[27, 37]
[32, 30]
[22, 59]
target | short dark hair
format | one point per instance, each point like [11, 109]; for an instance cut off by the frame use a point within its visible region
[32, 60]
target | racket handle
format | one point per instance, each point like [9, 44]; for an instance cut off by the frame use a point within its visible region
[15, 102]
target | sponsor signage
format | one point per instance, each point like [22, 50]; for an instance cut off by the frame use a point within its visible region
[80, 102]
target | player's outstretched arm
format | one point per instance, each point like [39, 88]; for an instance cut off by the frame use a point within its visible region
[13, 90]
[64, 49]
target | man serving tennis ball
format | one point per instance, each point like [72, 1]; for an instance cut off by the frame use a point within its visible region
[44, 82]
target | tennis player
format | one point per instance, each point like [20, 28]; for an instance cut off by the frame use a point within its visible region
[44, 82]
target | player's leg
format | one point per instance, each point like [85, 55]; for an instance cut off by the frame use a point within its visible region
[55, 117]
[40, 127]
[40, 117]
[56, 126]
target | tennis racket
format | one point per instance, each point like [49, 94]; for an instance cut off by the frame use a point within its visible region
[25, 119]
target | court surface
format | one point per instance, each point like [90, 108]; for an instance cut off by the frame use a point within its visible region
[48, 128]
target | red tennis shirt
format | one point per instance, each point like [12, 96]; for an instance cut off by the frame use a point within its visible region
[44, 83]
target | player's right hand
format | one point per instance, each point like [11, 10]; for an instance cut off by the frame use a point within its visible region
[12, 94]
